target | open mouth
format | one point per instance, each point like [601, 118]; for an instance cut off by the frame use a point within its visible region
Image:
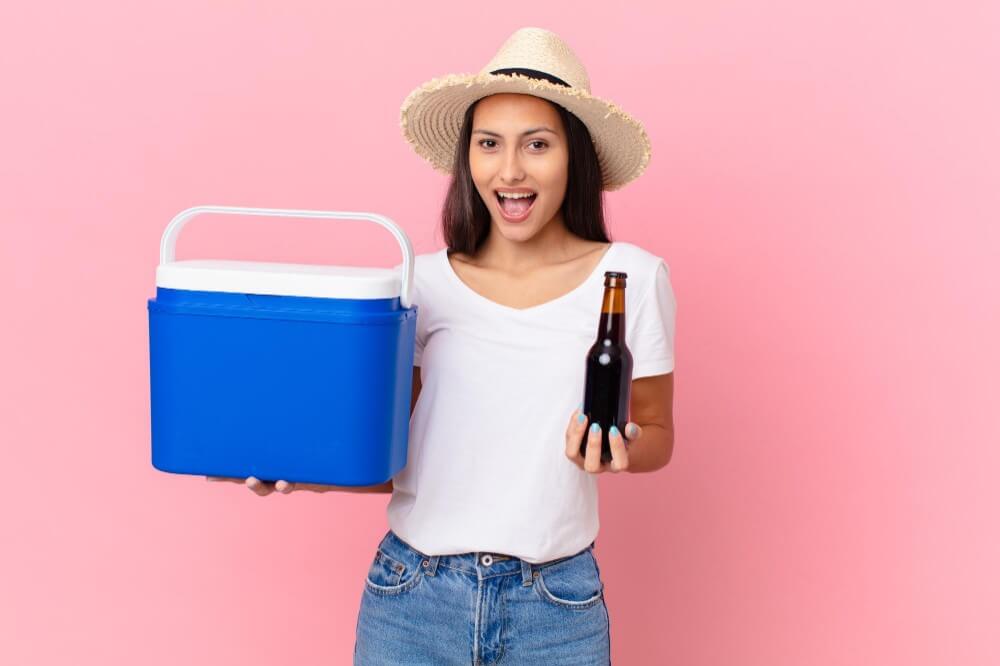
[515, 209]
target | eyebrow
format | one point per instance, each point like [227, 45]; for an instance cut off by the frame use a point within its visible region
[525, 133]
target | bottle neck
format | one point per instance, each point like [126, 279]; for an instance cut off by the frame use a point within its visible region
[612, 322]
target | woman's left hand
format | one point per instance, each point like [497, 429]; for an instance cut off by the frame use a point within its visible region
[592, 462]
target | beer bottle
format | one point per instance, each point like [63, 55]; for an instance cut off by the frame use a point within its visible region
[609, 367]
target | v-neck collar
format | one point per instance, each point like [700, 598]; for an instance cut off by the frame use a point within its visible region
[594, 276]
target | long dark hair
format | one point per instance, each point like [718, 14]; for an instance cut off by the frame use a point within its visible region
[465, 218]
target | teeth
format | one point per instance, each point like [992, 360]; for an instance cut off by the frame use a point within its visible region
[512, 195]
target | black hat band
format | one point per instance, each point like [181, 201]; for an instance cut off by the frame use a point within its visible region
[532, 73]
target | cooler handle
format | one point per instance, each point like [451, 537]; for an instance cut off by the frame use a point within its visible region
[169, 242]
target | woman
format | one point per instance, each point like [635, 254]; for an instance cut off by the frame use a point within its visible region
[489, 556]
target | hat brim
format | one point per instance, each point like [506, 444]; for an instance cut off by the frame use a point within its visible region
[431, 119]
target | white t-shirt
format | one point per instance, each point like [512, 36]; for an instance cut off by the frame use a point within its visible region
[486, 467]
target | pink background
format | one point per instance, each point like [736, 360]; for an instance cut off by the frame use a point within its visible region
[824, 186]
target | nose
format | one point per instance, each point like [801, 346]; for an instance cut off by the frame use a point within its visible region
[511, 170]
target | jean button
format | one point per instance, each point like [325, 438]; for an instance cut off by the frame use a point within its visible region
[487, 560]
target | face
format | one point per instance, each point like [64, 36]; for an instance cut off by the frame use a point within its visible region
[518, 145]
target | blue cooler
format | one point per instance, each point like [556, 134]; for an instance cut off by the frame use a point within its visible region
[281, 371]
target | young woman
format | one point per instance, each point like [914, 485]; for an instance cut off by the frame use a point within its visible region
[489, 556]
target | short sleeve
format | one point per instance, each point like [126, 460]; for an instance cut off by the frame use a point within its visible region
[651, 339]
[418, 346]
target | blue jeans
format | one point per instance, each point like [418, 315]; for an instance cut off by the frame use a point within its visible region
[480, 608]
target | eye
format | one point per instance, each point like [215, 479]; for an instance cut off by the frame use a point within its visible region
[539, 141]
[482, 141]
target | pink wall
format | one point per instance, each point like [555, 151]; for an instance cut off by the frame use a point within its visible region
[824, 185]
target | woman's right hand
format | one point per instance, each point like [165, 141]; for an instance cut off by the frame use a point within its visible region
[285, 487]
[265, 488]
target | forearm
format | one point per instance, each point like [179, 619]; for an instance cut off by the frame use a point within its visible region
[653, 450]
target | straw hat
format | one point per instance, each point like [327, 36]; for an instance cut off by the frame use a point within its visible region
[532, 61]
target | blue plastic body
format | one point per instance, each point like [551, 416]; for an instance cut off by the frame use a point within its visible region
[305, 389]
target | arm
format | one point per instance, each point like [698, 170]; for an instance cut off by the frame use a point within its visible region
[651, 407]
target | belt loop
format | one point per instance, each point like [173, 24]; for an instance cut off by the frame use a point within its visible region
[430, 564]
[526, 573]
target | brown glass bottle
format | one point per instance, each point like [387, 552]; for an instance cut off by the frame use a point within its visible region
[609, 368]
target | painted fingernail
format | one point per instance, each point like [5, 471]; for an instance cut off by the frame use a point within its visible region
[595, 427]
[581, 417]
[613, 431]
[579, 407]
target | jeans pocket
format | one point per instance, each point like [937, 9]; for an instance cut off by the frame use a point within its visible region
[573, 583]
[387, 576]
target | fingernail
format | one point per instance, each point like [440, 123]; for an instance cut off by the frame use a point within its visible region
[579, 407]
[581, 417]
[595, 427]
[613, 431]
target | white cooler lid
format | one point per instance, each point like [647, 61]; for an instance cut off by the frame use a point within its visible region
[254, 277]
